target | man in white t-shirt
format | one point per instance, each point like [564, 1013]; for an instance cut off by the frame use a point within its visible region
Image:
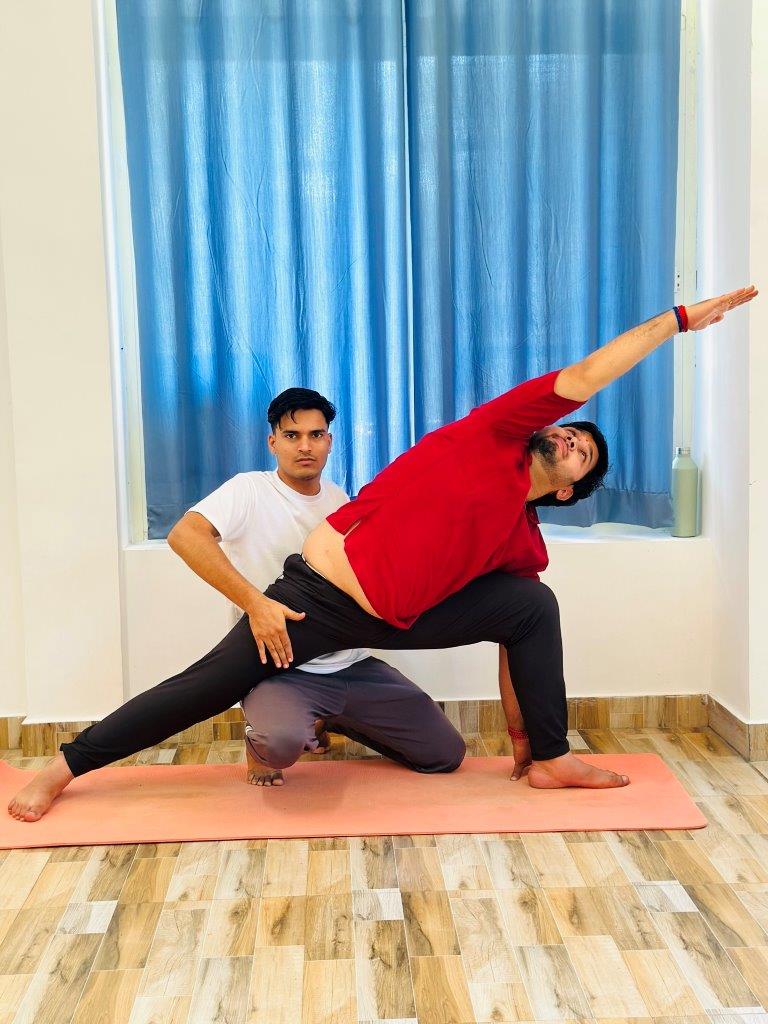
[261, 518]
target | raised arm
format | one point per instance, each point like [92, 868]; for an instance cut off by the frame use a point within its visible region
[583, 379]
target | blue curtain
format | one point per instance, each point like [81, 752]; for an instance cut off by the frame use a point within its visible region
[409, 208]
[543, 158]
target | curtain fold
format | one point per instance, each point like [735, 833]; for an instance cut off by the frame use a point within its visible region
[543, 161]
[273, 149]
[266, 163]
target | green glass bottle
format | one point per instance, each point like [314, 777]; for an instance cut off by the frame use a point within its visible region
[685, 494]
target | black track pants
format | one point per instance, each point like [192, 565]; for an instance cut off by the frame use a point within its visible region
[520, 613]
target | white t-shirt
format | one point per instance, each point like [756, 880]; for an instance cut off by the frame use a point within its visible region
[261, 521]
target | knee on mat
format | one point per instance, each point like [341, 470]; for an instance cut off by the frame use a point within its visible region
[448, 758]
[279, 748]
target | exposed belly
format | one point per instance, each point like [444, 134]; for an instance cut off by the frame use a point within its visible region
[324, 550]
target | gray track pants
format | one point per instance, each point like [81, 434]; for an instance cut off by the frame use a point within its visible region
[370, 702]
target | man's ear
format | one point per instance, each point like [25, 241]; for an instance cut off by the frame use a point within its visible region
[330, 440]
[271, 443]
[564, 493]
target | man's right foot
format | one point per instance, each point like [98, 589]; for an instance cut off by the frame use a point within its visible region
[570, 771]
[31, 803]
[258, 774]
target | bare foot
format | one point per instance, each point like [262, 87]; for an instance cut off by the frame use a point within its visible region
[569, 770]
[259, 774]
[322, 737]
[31, 803]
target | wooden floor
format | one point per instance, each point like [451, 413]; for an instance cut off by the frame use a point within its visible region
[441, 930]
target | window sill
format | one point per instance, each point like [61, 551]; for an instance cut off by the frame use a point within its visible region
[553, 534]
[602, 532]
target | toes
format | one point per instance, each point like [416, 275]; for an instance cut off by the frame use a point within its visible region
[265, 780]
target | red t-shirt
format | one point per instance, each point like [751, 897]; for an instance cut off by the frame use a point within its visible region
[452, 507]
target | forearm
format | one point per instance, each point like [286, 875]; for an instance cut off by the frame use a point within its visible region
[204, 556]
[507, 691]
[583, 379]
[599, 369]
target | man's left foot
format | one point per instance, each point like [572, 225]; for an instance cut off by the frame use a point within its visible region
[322, 737]
[569, 771]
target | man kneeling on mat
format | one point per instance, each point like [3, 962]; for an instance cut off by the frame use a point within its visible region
[262, 518]
[441, 549]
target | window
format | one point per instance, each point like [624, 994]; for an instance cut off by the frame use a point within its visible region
[409, 209]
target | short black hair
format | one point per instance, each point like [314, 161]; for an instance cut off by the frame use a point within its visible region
[594, 478]
[290, 401]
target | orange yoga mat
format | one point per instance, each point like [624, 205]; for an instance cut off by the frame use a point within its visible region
[168, 803]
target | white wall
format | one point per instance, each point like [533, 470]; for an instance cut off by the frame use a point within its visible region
[13, 690]
[758, 377]
[635, 610]
[637, 614]
[733, 368]
[58, 363]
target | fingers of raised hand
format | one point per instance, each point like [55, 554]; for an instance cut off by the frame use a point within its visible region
[712, 311]
[738, 298]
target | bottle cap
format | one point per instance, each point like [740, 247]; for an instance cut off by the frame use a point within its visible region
[682, 451]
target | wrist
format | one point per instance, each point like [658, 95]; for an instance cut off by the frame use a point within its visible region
[681, 316]
[516, 733]
[252, 601]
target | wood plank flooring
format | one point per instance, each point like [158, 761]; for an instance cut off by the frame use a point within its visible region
[670, 927]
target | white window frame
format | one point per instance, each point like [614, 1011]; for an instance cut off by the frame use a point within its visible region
[122, 282]
[685, 233]
[123, 307]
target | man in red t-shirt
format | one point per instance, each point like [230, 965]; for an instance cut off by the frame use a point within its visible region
[441, 549]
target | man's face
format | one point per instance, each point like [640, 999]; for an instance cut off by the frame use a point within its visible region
[301, 444]
[565, 454]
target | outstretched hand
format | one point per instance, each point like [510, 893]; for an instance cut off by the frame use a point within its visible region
[712, 311]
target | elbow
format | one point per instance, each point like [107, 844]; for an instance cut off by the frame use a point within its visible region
[574, 383]
[175, 536]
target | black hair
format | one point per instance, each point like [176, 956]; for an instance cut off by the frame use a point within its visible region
[290, 401]
[593, 479]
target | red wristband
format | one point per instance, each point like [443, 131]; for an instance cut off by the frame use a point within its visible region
[517, 734]
[681, 315]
